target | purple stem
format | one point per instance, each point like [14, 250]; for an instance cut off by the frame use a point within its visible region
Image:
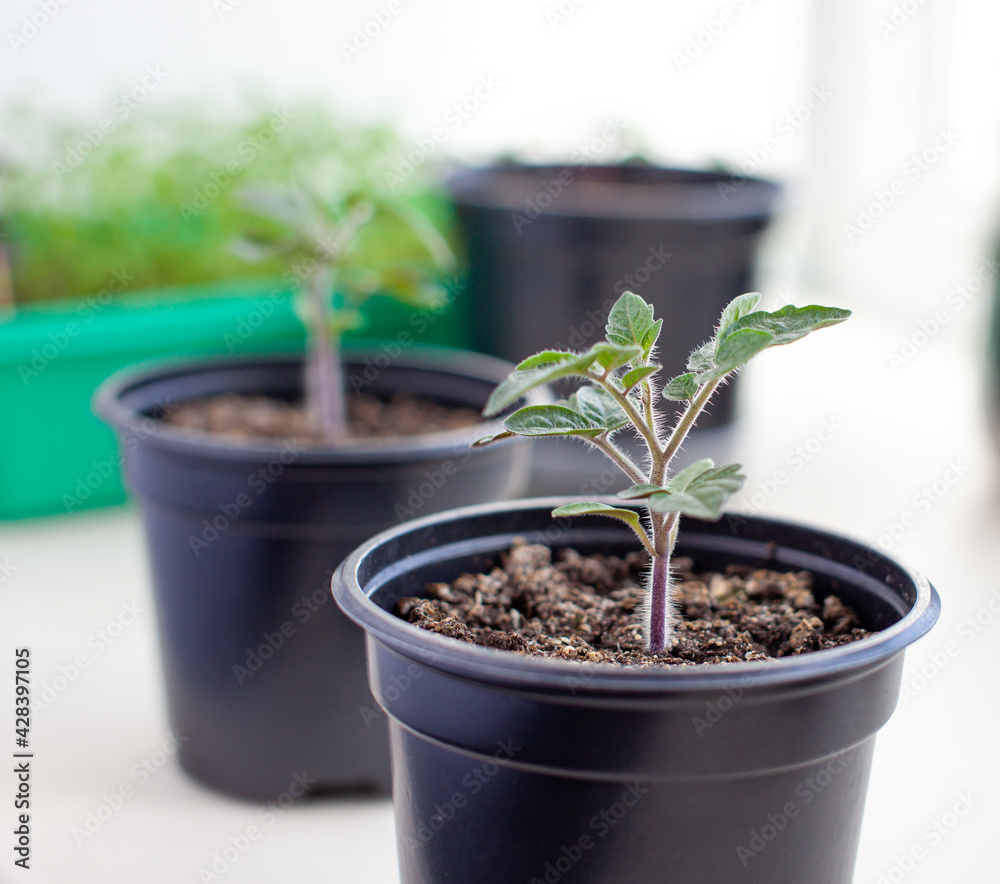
[324, 382]
[659, 583]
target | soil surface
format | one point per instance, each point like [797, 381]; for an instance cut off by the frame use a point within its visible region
[368, 417]
[587, 608]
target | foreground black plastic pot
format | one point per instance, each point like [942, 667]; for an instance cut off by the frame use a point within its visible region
[265, 678]
[550, 249]
[509, 768]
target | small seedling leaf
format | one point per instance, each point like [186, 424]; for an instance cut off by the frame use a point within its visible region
[550, 420]
[637, 492]
[630, 517]
[702, 495]
[487, 440]
[598, 407]
[789, 323]
[612, 356]
[680, 388]
[702, 358]
[520, 382]
[681, 480]
[736, 310]
[633, 377]
[547, 357]
[630, 323]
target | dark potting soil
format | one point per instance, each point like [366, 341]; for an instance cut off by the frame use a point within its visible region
[250, 417]
[587, 608]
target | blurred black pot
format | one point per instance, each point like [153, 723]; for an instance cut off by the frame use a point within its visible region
[265, 678]
[550, 248]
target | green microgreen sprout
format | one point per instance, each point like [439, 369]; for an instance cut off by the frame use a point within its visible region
[344, 244]
[621, 391]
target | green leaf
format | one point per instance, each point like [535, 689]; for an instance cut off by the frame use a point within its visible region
[702, 358]
[631, 517]
[550, 420]
[633, 377]
[681, 480]
[703, 495]
[755, 332]
[789, 323]
[598, 407]
[487, 440]
[612, 356]
[630, 323]
[680, 388]
[636, 492]
[521, 381]
[547, 357]
[736, 310]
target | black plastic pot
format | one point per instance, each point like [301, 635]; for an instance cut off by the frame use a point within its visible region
[509, 768]
[265, 677]
[550, 249]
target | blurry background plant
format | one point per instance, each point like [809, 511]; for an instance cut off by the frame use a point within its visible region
[345, 239]
[160, 197]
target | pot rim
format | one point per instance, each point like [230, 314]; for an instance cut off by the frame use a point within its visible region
[108, 405]
[541, 674]
[668, 200]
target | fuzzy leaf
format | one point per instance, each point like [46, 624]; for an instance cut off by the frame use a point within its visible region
[550, 420]
[680, 388]
[520, 382]
[702, 358]
[633, 377]
[681, 480]
[631, 517]
[546, 357]
[736, 310]
[757, 331]
[487, 440]
[703, 495]
[637, 492]
[789, 323]
[611, 356]
[598, 407]
[630, 323]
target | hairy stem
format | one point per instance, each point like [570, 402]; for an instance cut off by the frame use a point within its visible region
[661, 601]
[646, 431]
[324, 379]
[687, 419]
[620, 459]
